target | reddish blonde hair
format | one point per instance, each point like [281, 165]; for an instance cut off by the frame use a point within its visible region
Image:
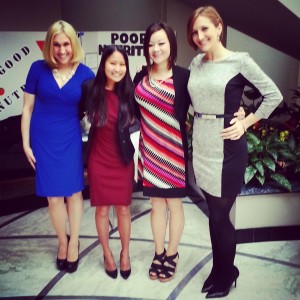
[206, 11]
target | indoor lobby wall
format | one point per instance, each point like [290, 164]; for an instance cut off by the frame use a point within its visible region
[177, 17]
[92, 15]
[282, 68]
[102, 15]
[99, 15]
[32, 15]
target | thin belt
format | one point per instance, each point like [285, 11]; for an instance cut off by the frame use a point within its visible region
[211, 117]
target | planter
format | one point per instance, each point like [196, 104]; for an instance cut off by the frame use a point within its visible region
[260, 207]
[268, 206]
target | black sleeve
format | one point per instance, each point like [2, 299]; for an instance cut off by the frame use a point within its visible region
[137, 78]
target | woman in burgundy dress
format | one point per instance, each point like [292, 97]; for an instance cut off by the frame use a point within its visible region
[109, 99]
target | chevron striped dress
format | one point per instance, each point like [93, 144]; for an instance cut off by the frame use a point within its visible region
[161, 164]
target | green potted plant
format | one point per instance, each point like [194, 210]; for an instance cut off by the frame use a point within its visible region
[273, 155]
[274, 144]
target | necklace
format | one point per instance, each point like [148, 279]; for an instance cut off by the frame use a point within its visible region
[63, 77]
[160, 81]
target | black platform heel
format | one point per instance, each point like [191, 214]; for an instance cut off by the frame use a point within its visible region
[124, 273]
[156, 268]
[222, 290]
[71, 266]
[168, 271]
[61, 263]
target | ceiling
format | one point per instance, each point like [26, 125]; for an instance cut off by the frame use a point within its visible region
[267, 21]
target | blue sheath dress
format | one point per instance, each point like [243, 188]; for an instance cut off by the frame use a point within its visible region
[55, 132]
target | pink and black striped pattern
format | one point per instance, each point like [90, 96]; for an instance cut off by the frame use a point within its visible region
[161, 157]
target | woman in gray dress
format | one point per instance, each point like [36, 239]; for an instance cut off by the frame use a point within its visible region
[216, 84]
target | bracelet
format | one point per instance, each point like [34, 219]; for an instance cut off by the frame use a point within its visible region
[245, 129]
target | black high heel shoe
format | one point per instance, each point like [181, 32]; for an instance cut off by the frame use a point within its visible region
[156, 268]
[208, 283]
[222, 290]
[124, 273]
[61, 263]
[112, 274]
[71, 266]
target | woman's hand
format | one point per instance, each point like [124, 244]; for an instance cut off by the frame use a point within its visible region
[238, 128]
[235, 131]
[30, 157]
[240, 114]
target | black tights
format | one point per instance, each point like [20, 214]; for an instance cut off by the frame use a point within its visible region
[222, 234]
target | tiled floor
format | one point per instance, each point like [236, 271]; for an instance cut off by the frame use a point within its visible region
[268, 270]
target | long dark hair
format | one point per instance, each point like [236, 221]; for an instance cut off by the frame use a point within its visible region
[152, 28]
[97, 106]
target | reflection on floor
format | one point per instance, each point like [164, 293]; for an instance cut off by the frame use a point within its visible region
[268, 270]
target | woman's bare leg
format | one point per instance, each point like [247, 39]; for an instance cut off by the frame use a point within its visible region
[58, 215]
[102, 225]
[75, 211]
[124, 226]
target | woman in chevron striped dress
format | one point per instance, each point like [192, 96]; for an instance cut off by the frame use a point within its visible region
[163, 101]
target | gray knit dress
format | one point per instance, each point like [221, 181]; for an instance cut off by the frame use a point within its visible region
[217, 88]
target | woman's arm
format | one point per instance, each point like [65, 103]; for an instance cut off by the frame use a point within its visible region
[28, 105]
[270, 94]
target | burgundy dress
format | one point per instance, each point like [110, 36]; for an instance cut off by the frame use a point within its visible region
[110, 179]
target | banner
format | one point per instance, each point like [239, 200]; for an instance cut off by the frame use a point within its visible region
[20, 49]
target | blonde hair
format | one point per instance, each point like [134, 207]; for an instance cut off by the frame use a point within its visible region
[206, 11]
[66, 28]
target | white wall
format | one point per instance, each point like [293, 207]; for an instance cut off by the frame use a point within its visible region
[177, 16]
[282, 68]
[292, 5]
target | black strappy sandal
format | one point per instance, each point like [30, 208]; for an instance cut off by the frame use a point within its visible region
[169, 269]
[156, 268]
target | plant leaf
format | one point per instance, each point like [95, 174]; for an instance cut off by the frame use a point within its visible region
[254, 160]
[282, 181]
[260, 178]
[269, 163]
[250, 147]
[260, 168]
[259, 148]
[252, 138]
[249, 173]
[286, 154]
[291, 142]
[273, 153]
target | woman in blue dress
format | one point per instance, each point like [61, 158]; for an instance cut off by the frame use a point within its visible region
[52, 135]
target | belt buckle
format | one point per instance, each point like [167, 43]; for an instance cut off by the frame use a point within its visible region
[209, 117]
